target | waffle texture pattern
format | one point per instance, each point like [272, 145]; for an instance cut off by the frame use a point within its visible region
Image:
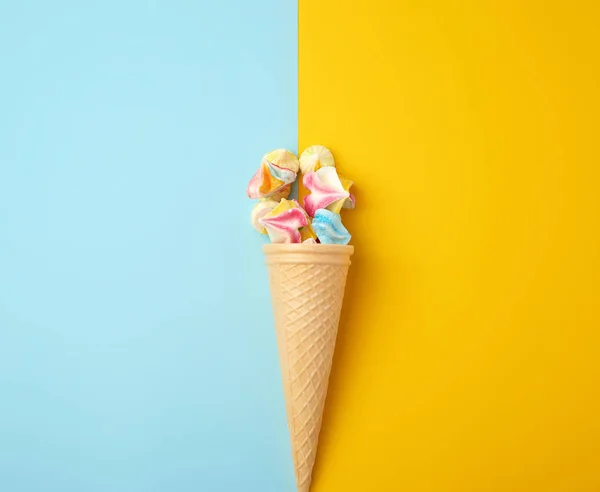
[307, 291]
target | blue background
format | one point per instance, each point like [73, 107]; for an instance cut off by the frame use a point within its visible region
[137, 351]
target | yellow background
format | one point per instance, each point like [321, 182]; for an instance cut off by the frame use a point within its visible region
[468, 357]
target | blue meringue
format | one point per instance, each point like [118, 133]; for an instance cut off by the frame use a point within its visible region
[329, 228]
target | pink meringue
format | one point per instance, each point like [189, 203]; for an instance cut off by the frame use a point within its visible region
[284, 222]
[326, 190]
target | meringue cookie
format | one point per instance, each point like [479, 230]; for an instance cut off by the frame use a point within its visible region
[262, 208]
[329, 228]
[269, 180]
[326, 191]
[283, 159]
[314, 158]
[284, 222]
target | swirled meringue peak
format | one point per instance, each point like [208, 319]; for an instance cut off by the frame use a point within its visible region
[262, 208]
[326, 190]
[277, 170]
[283, 159]
[284, 222]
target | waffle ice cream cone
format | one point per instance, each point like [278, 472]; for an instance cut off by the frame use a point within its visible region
[307, 284]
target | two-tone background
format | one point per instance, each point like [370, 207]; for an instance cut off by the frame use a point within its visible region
[137, 351]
